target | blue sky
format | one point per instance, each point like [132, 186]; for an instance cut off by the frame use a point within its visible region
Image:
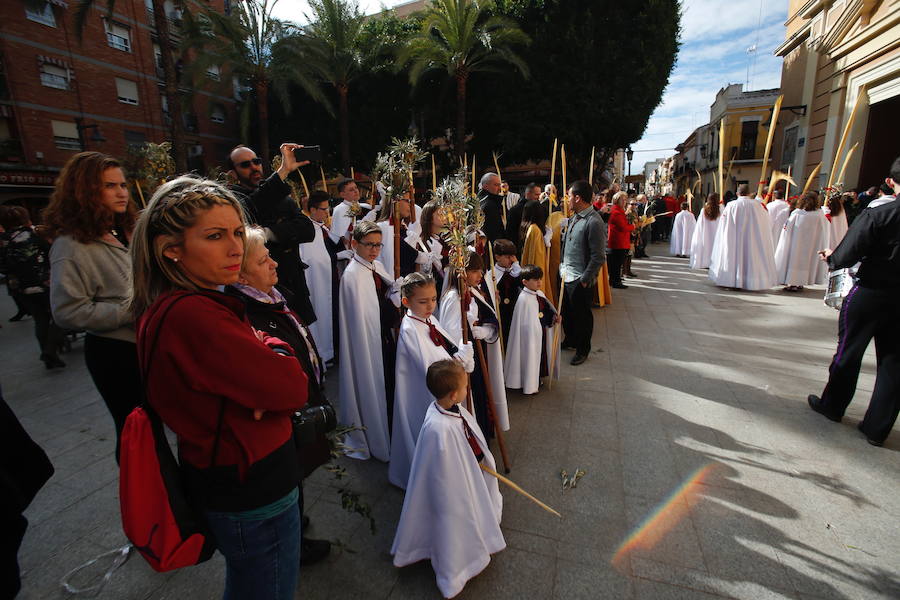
[715, 37]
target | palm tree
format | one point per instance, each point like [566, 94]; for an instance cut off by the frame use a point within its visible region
[257, 48]
[462, 37]
[334, 39]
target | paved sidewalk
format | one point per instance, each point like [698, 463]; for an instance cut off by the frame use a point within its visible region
[707, 474]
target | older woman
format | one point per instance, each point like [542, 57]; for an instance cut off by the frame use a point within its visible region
[619, 239]
[226, 395]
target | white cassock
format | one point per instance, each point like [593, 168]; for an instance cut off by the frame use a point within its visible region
[452, 509]
[837, 227]
[386, 257]
[372, 215]
[743, 255]
[779, 211]
[797, 259]
[452, 323]
[415, 353]
[361, 371]
[319, 279]
[342, 223]
[522, 366]
[682, 233]
[702, 241]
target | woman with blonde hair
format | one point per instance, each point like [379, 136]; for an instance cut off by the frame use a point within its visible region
[90, 218]
[225, 389]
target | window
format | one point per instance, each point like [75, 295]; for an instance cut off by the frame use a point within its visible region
[134, 139]
[126, 91]
[118, 36]
[65, 135]
[54, 76]
[213, 72]
[43, 15]
[749, 131]
[217, 113]
[157, 54]
[790, 147]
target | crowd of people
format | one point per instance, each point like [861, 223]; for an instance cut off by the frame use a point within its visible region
[424, 352]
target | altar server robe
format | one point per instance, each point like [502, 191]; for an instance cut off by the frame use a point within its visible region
[415, 353]
[361, 382]
[797, 257]
[682, 233]
[702, 241]
[522, 366]
[408, 253]
[779, 211]
[743, 255]
[837, 227]
[320, 280]
[342, 223]
[452, 509]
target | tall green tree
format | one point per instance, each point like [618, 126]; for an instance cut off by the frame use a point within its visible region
[462, 37]
[257, 48]
[339, 52]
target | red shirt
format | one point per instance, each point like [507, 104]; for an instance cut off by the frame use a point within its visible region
[620, 229]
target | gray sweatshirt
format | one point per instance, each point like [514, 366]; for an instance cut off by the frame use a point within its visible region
[90, 286]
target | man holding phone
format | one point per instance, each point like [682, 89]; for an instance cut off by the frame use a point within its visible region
[268, 204]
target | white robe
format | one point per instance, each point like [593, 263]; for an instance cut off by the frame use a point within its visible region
[341, 222]
[452, 322]
[743, 256]
[415, 353]
[452, 509]
[837, 228]
[522, 367]
[702, 241]
[779, 211]
[319, 280]
[797, 259]
[386, 257]
[682, 233]
[361, 371]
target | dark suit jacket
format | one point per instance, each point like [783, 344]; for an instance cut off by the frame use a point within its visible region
[492, 207]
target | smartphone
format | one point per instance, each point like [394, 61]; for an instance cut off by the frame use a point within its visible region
[310, 153]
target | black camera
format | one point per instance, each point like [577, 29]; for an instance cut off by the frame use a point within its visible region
[310, 153]
[313, 421]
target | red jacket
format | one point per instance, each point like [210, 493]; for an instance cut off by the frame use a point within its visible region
[207, 352]
[619, 229]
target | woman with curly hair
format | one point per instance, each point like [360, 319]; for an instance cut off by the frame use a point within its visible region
[90, 218]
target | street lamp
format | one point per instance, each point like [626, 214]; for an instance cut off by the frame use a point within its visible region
[97, 137]
[629, 154]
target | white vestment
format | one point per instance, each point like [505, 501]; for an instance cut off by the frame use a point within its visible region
[452, 509]
[386, 257]
[702, 241]
[682, 233]
[779, 211]
[415, 353]
[452, 322]
[361, 386]
[797, 259]
[522, 367]
[837, 228]
[319, 279]
[743, 256]
[342, 223]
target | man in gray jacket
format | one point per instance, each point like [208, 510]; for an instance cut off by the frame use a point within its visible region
[584, 251]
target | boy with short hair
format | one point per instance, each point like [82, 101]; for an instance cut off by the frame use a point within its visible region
[452, 509]
[529, 348]
[506, 281]
[320, 258]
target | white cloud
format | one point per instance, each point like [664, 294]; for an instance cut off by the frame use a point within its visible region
[296, 10]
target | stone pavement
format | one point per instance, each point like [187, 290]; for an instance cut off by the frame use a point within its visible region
[707, 475]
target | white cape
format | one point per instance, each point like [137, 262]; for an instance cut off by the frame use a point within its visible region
[361, 371]
[318, 278]
[522, 367]
[682, 233]
[837, 229]
[702, 242]
[779, 211]
[452, 322]
[452, 509]
[386, 257]
[797, 258]
[342, 223]
[743, 256]
[415, 353]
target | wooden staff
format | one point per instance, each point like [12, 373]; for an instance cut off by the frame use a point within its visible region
[324, 181]
[591, 172]
[553, 170]
[516, 487]
[464, 324]
[396, 239]
[474, 187]
[433, 176]
[495, 300]
[303, 181]
[811, 178]
[137, 185]
[490, 403]
[562, 157]
[787, 186]
[352, 174]
[559, 305]
[765, 163]
[721, 157]
[840, 179]
[502, 204]
[845, 135]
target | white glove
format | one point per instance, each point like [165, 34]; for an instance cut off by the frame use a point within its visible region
[482, 332]
[466, 356]
[548, 235]
[395, 287]
[563, 223]
[515, 270]
[394, 296]
[344, 255]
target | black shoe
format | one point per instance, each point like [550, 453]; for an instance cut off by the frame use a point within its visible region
[815, 403]
[18, 317]
[578, 359]
[52, 362]
[868, 439]
[619, 286]
[313, 551]
[632, 275]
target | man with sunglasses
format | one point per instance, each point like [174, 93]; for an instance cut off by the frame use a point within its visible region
[268, 203]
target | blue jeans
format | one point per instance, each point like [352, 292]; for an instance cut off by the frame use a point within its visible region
[262, 557]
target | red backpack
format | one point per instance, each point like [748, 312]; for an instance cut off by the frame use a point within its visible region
[157, 515]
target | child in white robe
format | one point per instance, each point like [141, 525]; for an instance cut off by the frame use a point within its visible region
[529, 349]
[422, 342]
[506, 282]
[368, 313]
[682, 232]
[452, 509]
[321, 276]
[797, 259]
[705, 233]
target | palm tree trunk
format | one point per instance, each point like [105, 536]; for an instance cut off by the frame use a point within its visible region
[170, 86]
[343, 90]
[461, 80]
[262, 101]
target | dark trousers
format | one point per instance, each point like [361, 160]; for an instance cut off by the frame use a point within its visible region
[113, 365]
[616, 261]
[48, 335]
[13, 526]
[867, 313]
[578, 320]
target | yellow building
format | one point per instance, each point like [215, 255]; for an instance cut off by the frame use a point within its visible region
[836, 52]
